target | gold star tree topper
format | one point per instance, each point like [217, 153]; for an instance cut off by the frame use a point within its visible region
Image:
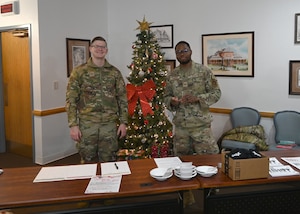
[144, 25]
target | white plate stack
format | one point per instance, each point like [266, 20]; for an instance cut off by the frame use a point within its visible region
[186, 171]
[207, 171]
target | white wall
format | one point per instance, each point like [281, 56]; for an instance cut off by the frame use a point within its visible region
[53, 21]
[271, 20]
[59, 20]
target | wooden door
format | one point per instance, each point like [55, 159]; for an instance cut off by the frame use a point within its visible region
[17, 93]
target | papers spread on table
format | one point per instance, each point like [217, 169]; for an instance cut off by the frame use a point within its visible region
[284, 170]
[168, 162]
[70, 172]
[274, 162]
[294, 161]
[104, 184]
[277, 169]
[115, 168]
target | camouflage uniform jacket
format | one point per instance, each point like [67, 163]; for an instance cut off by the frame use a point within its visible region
[198, 81]
[247, 134]
[96, 94]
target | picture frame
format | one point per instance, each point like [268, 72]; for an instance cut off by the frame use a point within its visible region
[297, 28]
[170, 64]
[164, 35]
[294, 77]
[77, 53]
[229, 54]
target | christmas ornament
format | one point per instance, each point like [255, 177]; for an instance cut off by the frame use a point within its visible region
[141, 73]
[154, 56]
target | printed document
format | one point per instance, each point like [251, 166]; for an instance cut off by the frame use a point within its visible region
[277, 169]
[70, 172]
[104, 184]
[294, 161]
[285, 170]
[274, 162]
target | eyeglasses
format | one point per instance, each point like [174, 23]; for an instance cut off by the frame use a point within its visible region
[182, 51]
[98, 47]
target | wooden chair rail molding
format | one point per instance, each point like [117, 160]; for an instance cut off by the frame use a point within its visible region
[213, 110]
[228, 111]
[49, 111]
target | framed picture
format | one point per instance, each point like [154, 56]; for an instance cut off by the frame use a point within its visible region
[77, 53]
[229, 54]
[297, 28]
[170, 65]
[294, 80]
[164, 35]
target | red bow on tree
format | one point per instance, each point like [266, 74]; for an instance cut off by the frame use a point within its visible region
[144, 92]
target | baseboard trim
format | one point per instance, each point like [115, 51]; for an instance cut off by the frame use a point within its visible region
[54, 157]
[19, 149]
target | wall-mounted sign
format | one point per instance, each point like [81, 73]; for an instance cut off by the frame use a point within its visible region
[10, 8]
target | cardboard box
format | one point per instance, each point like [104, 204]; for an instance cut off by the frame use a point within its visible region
[242, 169]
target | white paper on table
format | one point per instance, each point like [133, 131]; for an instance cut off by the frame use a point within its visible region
[115, 168]
[70, 172]
[294, 161]
[274, 162]
[284, 170]
[168, 162]
[104, 184]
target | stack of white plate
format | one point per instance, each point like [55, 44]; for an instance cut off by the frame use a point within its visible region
[185, 176]
[161, 174]
[207, 171]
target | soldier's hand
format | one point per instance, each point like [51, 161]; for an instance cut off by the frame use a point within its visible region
[75, 133]
[189, 99]
[121, 130]
[175, 101]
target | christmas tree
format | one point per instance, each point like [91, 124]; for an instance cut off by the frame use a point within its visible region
[149, 132]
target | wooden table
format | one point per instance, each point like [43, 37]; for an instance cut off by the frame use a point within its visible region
[18, 190]
[243, 194]
[221, 194]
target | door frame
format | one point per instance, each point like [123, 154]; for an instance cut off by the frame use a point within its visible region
[2, 128]
[2, 123]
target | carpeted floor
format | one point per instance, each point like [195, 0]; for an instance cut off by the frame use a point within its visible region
[10, 160]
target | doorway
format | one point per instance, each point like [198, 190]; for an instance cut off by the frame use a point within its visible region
[16, 97]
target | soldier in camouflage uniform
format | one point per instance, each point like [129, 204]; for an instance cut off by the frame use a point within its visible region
[95, 102]
[191, 88]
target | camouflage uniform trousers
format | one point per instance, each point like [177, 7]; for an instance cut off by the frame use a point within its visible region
[191, 140]
[98, 140]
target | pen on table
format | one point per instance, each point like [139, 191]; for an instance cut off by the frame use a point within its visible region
[116, 166]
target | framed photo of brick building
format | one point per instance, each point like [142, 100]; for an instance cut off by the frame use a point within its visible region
[294, 78]
[229, 54]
